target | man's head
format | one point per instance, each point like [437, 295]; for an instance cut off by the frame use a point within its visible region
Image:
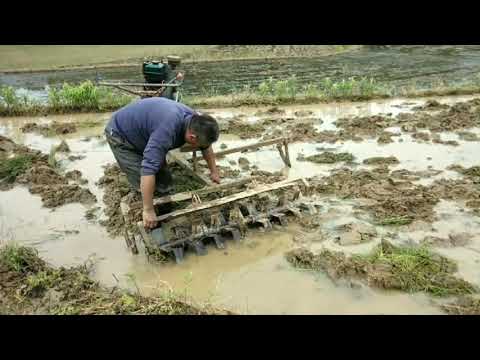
[202, 131]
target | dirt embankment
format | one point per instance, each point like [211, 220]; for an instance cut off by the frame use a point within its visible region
[21, 165]
[28, 285]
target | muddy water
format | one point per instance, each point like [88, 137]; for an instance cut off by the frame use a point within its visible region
[251, 277]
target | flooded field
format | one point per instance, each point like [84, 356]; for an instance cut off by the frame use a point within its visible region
[254, 277]
[399, 65]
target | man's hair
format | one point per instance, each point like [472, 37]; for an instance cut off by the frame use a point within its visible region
[205, 128]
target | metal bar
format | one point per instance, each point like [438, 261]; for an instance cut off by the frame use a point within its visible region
[282, 155]
[127, 90]
[287, 154]
[194, 157]
[241, 148]
[137, 84]
[229, 199]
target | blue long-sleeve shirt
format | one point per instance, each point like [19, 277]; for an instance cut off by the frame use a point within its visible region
[153, 126]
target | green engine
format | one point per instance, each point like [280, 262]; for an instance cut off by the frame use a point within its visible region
[155, 72]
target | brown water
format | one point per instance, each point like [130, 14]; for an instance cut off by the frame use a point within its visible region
[251, 277]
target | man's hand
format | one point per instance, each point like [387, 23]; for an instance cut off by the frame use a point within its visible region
[149, 218]
[180, 76]
[215, 177]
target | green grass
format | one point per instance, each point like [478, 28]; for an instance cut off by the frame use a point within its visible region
[20, 259]
[85, 97]
[10, 168]
[418, 269]
[411, 269]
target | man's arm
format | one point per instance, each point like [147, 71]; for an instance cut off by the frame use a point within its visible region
[153, 160]
[147, 186]
[209, 157]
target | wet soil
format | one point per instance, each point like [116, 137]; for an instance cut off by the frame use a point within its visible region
[408, 199]
[391, 202]
[391, 160]
[328, 158]
[116, 187]
[467, 305]
[63, 147]
[42, 179]
[52, 129]
[354, 234]
[453, 240]
[28, 285]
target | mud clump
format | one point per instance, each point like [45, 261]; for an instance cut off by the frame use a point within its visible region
[391, 160]
[431, 105]
[58, 195]
[76, 157]
[244, 163]
[421, 136]
[468, 136]
[91, 214]
[329, 158]
[436, 139]
[392, 203]
[31, 168]
[385, 137]
[228, 172]
[41, 175]
[457, 117]
[116, 186]
[28, 285]
[303, 113]
[454, 240]
[271, 111]
[52, 129]
[183, 180]
[266, 177]
[466, 305]
[354, 234]
[359, 127]
[472, 172]
[76, 175]
[408, 175]
[464, 189]
[6, 145]
[410, 269]
[63, 147]
[245, 130]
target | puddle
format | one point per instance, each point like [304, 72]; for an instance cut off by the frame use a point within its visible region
[252, 277]
[271, 287]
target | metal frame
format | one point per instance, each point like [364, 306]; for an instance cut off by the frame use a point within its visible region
[141, 93]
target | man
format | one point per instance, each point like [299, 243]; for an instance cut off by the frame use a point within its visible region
[141, 134]
[172, 74]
